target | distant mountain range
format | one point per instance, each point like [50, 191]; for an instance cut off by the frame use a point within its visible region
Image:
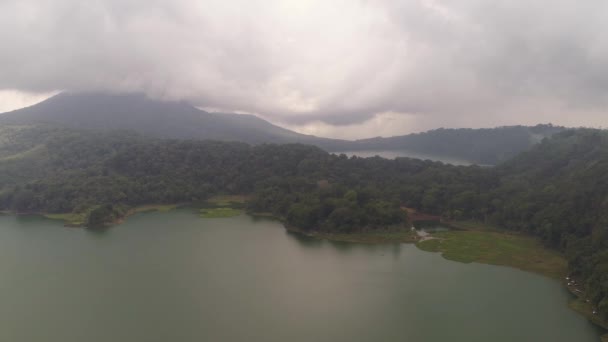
[180, 120]
[164, 119]
[481, 146]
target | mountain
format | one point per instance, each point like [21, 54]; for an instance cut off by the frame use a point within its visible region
[488, 146]
[180, 120]
[163, 119]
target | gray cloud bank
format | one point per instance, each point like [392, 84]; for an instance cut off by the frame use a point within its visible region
[334, 62]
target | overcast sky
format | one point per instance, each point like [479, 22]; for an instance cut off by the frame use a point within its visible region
[338, 68]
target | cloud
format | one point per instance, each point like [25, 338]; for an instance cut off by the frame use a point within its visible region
[318, 62]
[14, 99]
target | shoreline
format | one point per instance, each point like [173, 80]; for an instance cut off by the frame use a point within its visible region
[403, 235]
[583, 307]
[145, 209]
[76, 220]
[584, 310]
[380, 237]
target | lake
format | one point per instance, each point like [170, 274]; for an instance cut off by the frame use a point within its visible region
[177, 277]
[392, 154]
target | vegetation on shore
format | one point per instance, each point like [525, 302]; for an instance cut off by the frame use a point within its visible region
[219, 212]
[586, 309]
[107, 216]
[154, 207]
[396, 236]
[222, 206]
[557, 191]
[69, 219]
[497, 248]
[232, 201]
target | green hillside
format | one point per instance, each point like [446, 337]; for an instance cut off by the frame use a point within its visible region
[557, 191]
[179, 120]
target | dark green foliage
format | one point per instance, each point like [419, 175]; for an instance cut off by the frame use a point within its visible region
[482, 146]
[557, 191]
[104, 215]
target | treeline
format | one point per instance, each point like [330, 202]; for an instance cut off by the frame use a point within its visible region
[74, 171]
[557, 191]
[486, 146]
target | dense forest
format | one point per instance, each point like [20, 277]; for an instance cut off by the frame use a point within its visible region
[558, 190]
[486, 146]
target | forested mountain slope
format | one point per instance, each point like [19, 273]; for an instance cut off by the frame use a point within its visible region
[163, 119]
[179, 120]
[557, 191]
[488, 146]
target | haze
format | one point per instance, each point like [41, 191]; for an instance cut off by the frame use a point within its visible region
[345, 69]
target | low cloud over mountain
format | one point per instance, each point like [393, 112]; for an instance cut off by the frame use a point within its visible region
[318, 66]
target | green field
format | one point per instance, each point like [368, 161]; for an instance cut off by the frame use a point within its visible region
[496, 248]
[223, 206]
[70, 219]
[234, 201]
[219, 212]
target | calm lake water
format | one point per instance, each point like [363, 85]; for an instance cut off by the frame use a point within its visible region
[176, 277]
[403, 153]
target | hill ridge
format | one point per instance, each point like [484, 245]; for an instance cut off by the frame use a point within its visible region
[180, 120]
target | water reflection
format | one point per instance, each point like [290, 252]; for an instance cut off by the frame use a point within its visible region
[344, 247]
[262, 218]
[349, 246]
[304, 240]
[396, 251]
[28, 221]
[97, 231]
[176, 277]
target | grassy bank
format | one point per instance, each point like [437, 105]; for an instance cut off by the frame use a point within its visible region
[214, 207]
[476, 242]
[229, 201]
[153, 207]
[219, 212]
[586, 309]
[79, 219]
[490, 246]
[69, 219]
[223, 206]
